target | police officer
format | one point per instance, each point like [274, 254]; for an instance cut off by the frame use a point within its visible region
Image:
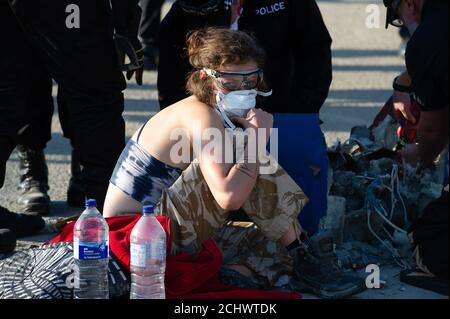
[298, 70]
[426, 78]
[74, 40]
[148, 31]
[426, 75]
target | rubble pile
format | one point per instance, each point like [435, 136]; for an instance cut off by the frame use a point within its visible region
[374, 197]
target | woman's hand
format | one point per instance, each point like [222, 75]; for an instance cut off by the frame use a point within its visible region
[257, 119]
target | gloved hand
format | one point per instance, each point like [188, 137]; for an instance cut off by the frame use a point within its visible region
[135, 55]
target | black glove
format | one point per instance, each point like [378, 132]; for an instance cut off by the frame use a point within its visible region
[136, 55]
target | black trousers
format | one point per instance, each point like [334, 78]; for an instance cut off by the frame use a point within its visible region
[36, 130]
[84, 64]
[151, 17]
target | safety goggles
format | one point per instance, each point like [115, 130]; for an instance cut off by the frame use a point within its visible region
[234, 81]
[392, 17]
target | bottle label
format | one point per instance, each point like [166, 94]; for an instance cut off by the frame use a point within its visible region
[90, 251]
[141, 252]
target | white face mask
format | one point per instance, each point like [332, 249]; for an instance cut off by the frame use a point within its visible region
[238, 103]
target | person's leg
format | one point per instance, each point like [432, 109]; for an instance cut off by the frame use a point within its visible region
[76, 192]
[39, 111]
[148, 31]
[15, 89]
[194, 213]
[260, 261]
[15, 83]
[196, 217]
[302, 152]
[84, 63]
[98, 139]
[273, 206]
[173, 65]
[32, 140]
[151, 18]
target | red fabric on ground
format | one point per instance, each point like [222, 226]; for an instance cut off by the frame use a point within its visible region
[186, 277]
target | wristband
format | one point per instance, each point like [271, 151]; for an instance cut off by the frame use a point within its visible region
[401, 88]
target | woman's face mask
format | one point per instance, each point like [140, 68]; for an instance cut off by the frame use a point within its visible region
[237, 103]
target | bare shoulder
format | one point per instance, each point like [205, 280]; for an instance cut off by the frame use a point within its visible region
[194, 110]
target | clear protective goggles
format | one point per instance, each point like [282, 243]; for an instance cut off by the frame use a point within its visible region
[236, 80]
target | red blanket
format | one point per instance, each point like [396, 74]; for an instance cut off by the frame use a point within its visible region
[186, 277]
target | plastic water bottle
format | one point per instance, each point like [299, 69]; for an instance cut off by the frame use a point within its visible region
[148, 258]
[91, 253]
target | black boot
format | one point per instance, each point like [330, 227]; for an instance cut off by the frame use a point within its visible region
[76, 194]
[33, 181]
[317, 271]
[8, 241]
[22, 225]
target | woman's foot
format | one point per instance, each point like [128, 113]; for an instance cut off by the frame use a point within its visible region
[316, 270]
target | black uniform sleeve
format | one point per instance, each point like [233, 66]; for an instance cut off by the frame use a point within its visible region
[127, 17]
[312, 53]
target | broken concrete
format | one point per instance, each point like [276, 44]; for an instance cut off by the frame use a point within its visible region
[379, 191]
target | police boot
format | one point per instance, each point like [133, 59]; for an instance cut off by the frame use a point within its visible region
[33, 181]
[76, 194]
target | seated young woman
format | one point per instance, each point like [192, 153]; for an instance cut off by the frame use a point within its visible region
[225, 60]
[224, 86]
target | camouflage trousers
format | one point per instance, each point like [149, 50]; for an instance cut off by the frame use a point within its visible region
[273, 207]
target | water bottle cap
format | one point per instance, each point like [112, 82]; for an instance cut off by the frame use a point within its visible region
[90, 203]
[148, 210]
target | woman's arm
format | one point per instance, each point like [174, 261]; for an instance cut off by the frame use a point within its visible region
[231, 184]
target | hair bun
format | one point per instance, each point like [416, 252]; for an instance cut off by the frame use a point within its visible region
[196, 41]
